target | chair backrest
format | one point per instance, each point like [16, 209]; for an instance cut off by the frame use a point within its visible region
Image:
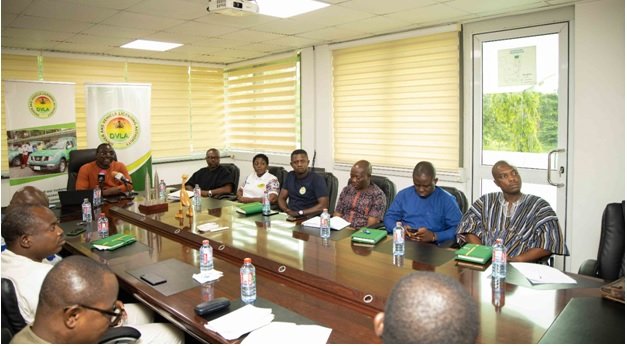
[234, 170]
[611, 256]
[460, 197]
[12, 319]
[332, 186]
[78, 158]
[387, 186]
[279, 172]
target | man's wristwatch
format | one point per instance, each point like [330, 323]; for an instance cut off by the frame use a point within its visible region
[301, 213]
[209, 193]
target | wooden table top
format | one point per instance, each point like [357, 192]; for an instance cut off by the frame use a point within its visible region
[334, 283]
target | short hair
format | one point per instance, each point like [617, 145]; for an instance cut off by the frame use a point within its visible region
[29, 195]
[215, 150]
[19, 220]
[102, 145]
[424, 167]
[298, 152]
[498, 164]
[263, 157]
[365, 165]
[428, 307]
[74, 280]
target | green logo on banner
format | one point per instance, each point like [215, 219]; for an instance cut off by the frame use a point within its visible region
[119, 128]
[42, 105]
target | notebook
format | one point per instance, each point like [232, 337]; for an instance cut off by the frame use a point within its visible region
[70, 198]
[369, 235]
[475, 253]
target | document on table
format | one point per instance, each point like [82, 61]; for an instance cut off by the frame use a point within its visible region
[288, 333]
[542, 274]
[176, 195]
[337, 223]
[241, 321]
[211, 227]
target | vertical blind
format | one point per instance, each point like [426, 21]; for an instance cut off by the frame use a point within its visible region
[263, 106]
[398, 102]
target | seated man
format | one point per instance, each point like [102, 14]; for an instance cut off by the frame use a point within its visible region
[32, 233]
[306, 190]
[29, 195]
[428, 213]
[361, 203]
[214, 180]
[428, 308]
[91, 174]
[74, 296]
[526, 223]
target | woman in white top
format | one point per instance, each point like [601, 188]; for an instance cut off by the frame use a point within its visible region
[259, 182]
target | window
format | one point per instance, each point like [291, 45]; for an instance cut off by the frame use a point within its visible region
[398, 102]
[263, 106]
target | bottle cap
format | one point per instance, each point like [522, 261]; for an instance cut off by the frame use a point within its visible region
[102, 214]
[205, 242]
[247, 260]
[325, 210]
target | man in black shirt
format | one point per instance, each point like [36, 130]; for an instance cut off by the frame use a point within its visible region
[214, 180]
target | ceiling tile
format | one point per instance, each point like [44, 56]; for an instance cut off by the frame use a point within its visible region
[12, 42]
[376, 25]
[104, 30]
[63, 10]
[171, 8]
[289, 26]
[41, 23]
[201, 29]
[35, 35]
[14, 6]
[384, 7]
[114, 4]
[473, 6]
[136, 20]
[428, 15]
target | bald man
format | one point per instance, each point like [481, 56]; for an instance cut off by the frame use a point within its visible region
[29, 195]
[78, 303]
[428, 308]
[213, 180]
[361, 202]
[527, 224]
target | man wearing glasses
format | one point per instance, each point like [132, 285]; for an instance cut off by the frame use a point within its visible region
[78, 304]
[214, 180]
[32, 233]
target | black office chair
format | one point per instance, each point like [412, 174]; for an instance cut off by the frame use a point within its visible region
[332, 186]
[279, 172]
[234, 170]
[78, 158]
[387, 186]
[460, 197]
[610, 262]
[13, 322]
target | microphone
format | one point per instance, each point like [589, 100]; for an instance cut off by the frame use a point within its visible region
[119, 176]
[101, 177]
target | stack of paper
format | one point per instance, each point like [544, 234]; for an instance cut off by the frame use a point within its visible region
[212, 276]
[176, 195]
[241, 321]
[337, 223]
[542, 274]
[289, 334]
[211, 227]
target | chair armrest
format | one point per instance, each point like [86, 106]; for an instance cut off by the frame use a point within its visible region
[120, 335]
[588, 267]
[228, 196]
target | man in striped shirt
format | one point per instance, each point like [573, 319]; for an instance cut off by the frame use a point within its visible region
[526, 223]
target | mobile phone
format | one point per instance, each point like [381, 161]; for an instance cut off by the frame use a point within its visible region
[76, 231]
[153, 279]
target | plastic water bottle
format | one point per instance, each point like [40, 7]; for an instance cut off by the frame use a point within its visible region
[162, 189]
[325, 224]
[399, 239]
[206, 258]
[499, 259]
[266, 204]
[248, 282]
[97, 196]
[197, 195]
[103, 226]
[86, 207]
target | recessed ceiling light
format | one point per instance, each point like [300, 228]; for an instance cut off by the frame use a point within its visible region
[151, 45]
[285, 9]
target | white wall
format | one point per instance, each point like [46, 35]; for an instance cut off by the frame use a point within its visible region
[597, 137]
[597, 174]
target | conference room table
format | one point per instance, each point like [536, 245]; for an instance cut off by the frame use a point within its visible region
[303, 278]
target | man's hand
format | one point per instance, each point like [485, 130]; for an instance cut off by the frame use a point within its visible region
[422, 234]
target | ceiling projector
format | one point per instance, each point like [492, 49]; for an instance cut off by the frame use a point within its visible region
[233, 7]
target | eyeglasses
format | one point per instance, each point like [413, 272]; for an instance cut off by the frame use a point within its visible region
[114, 316]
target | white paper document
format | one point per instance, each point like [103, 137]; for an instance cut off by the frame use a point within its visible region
[542, 274]
[288, 334]
[211, 227]
[212, 276]
[241, 321]
[337, 223]
[176, 195]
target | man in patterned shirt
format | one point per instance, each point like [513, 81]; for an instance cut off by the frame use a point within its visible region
[361, 203]
[526, 223]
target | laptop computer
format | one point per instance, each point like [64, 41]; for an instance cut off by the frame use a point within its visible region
[72, 198]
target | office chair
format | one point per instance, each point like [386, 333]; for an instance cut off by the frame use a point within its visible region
[332, 186]
[387, 186]
[78, 158]
[610, 262]
[234, 170]
[13, 322]
[279, 172]
[460, 197]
